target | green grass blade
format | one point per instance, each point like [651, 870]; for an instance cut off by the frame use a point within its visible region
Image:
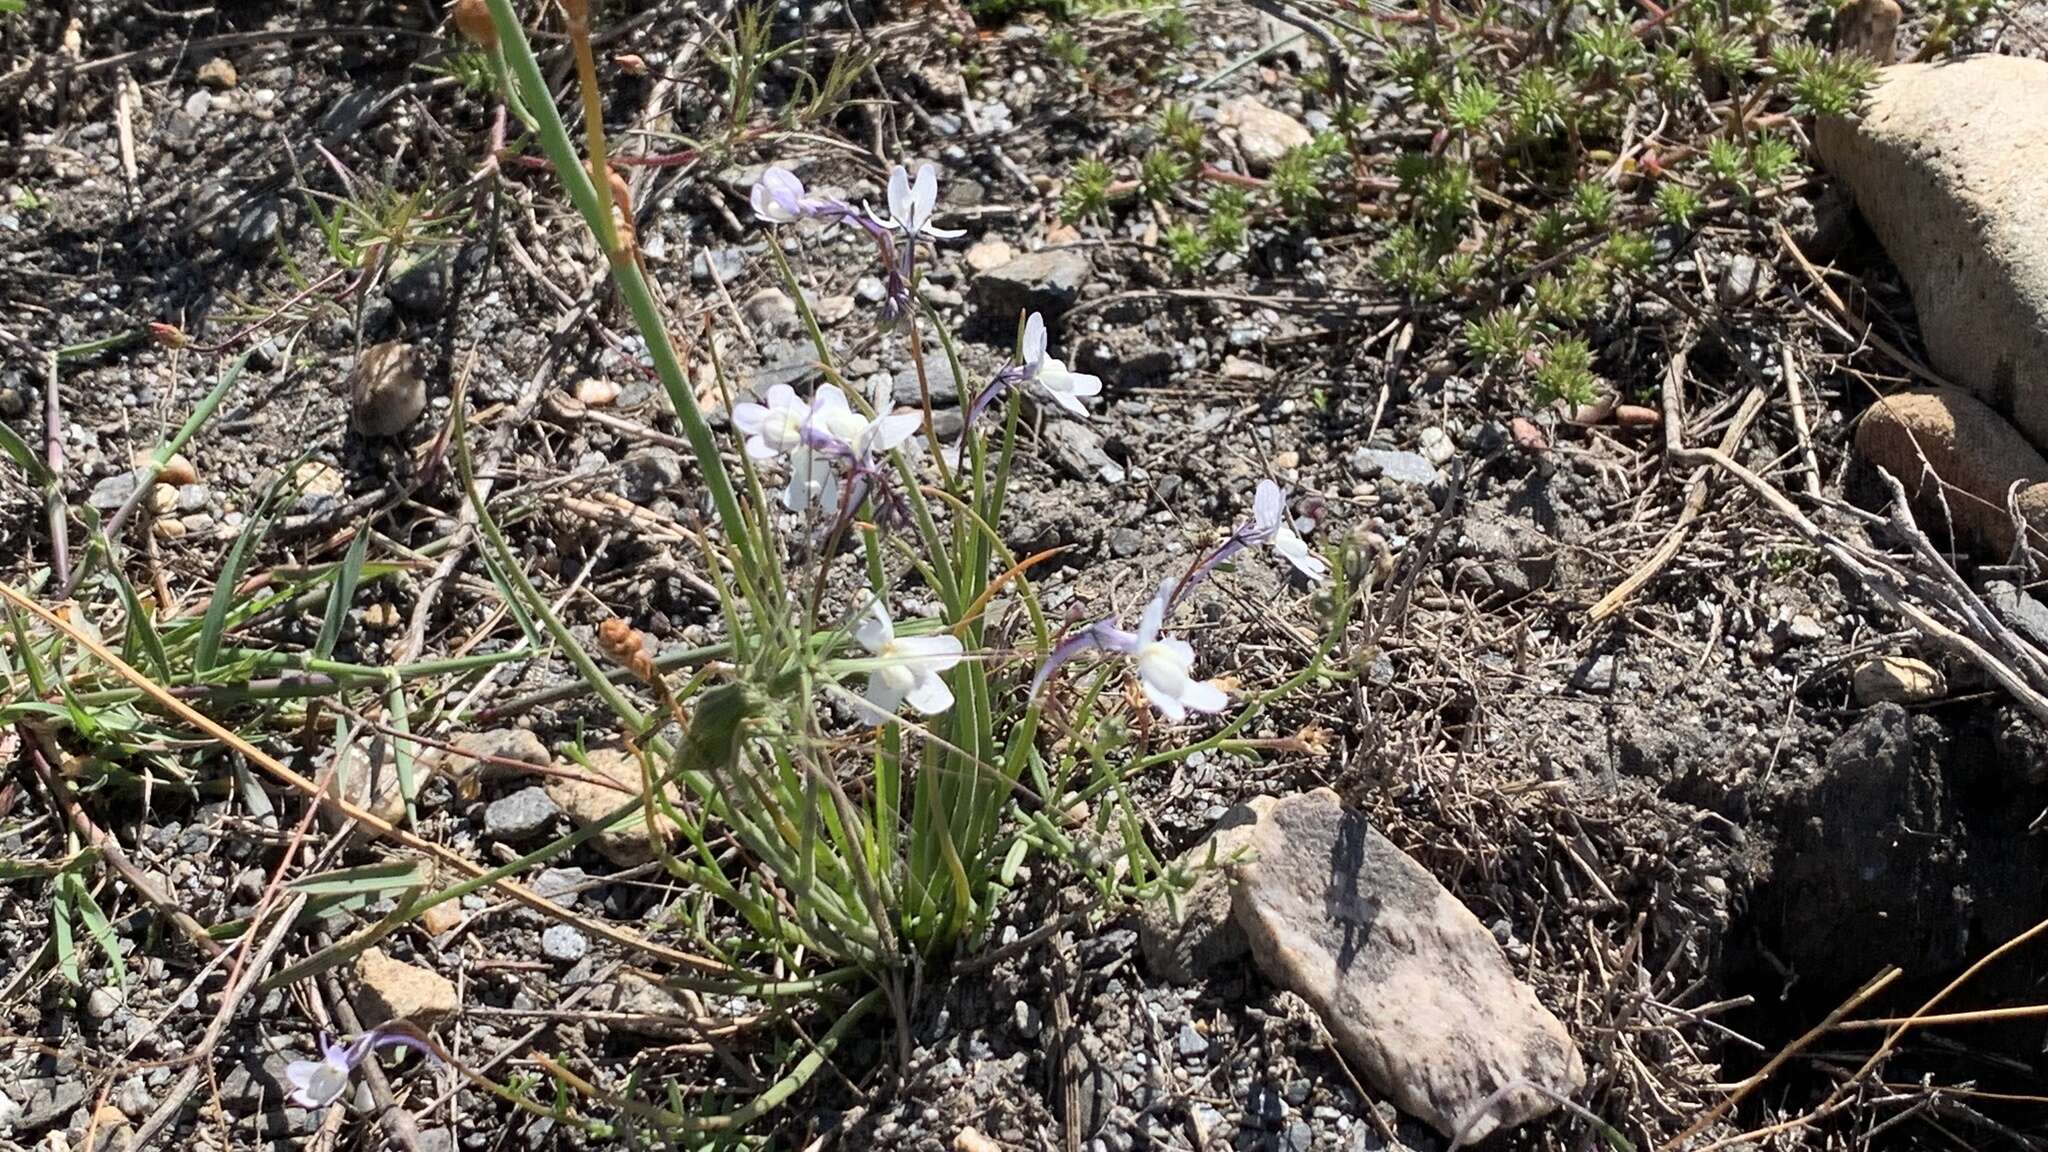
[341, 595]
[142, 635]
[25, 457]
[365, 879]
[101, 931]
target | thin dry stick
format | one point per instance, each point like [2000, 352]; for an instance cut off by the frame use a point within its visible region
[1795, 398]
[1885, 584]
[1770, 1068]
[164, 699]
[1696, 486]
[1858, 326]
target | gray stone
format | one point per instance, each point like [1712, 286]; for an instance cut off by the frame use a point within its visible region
[1078, 449]
[649, 474]
[422, 288]
[1742, 280]
[563, 944]
[2020, 611]
[1190, 1042]
[47, 1099]
[791, 362]
[1411, 985]
[258, 227]
[102, 1002]
[1048, 282]
[523, 815]
[772, 312]
[1402, 467]
[1949, 163]
[728, 262]
[938, 373]
[114, 491]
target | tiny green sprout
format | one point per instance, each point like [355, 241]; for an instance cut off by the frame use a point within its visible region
[1227, 226]
[1317, 80]
[1187, 248]
[1573, 296]
[1718, 52]
[1630, 251]
[1549, 230]
[1448, 194]
[1174, 28]
[1723, 160]
[1457, 271]
[1676, 203]
[1669, 72]
[1499, 339]
[1592, 203]
[1404, 261]
[1296, 182]
[1179, 128]
[1823, 85]
[1606, 51]
[1064, 49]
[1160, 173]
[1539, 104]
[1471, 106]
[1566, 373]
[1087, 191]
[1773, 158]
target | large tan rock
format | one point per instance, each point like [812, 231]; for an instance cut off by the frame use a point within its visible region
[626, 841]
[1949, 163]
[391, 989]
[1410, 984]
[1976, 455]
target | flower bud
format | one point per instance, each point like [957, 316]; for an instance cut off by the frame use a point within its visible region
[622, 645]
[168, 335]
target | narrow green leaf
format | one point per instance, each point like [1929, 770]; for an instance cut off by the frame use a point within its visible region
[342, 595]
[60, 930]
[142, 634]
[365, 879]
[24, 456]
[102, 932]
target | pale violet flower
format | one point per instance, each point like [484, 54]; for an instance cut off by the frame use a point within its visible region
[773, 429]
[906, 668]
[1166, 665]
[778, 198]
[1271, 525]
[318, 1083]
[811, 480]
[1061, 385]
[835, 426]
[911, 206]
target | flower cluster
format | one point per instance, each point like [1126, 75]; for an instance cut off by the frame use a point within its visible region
[828, 443]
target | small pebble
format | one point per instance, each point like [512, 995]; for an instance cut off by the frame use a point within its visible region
[595, 393]
[563, 944]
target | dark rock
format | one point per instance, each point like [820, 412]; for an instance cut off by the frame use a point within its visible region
[1079, 449]
[938, 376]
[649, 474]
[523, 815]
[422, 288]
[1048, 282]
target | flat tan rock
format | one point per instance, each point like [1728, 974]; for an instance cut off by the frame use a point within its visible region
[390, 989]
[1264, 133]
[626, 842]
[1410, 984]
[1869, 28]
[1949, 163]
[1957, 460]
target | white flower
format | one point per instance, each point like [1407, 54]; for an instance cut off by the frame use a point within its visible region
[1062, 386]
[778, 197]
[834, 425]
[811, 479]
[318, 1083]
[911, 207]
[1166, 665]
[1270, 524]
[907, 667]
[773, 429]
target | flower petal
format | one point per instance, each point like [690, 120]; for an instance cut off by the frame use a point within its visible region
[875, 630]
[930, 653]
[1204, 696]
[929, 695]
[889, 432]
[1155, 613]
[925, 196]
[1034, 342]
[1269, 506]
[1169, 706]
[899, 195]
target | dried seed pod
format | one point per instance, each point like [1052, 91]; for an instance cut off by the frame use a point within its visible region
[621, 644]
[473, 20]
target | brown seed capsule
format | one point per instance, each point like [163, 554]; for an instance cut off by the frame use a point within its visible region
[473, 20]
[630, 63]
[621, 644]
